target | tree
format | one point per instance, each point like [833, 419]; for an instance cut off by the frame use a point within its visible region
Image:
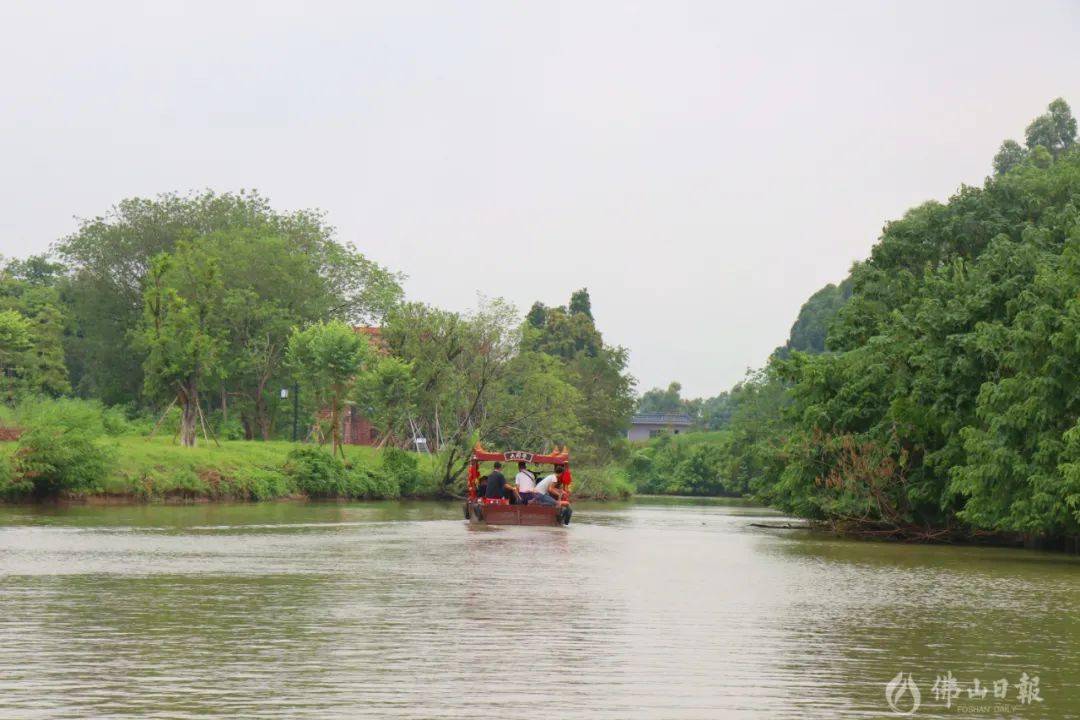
[30, 288]
[1055, 130]
[566, 335]
[815, 316]
[535, 405]
[328, 357]
[15, 343]
[607, 398]
[716, 411]
[537, 315]
[1009, 156]
[271, 285]
[581, 303]
[182, 330]
[947, 403]
[597, 371]
[48, 372]
[458, 362]
[290, 260]
[36, 271]
[662, 401]
[388, 393]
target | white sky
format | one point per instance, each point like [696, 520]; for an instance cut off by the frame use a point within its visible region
[701, 167]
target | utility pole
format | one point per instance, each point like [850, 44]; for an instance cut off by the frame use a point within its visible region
[295, 409]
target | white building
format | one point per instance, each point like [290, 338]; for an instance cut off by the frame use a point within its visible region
[649, 425]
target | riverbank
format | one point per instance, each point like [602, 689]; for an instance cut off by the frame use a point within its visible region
[141, 470]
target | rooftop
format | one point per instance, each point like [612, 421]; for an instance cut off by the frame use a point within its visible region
[661, 419]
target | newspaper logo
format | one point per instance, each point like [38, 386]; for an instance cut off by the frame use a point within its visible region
[903, 694]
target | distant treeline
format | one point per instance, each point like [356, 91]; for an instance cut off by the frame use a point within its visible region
[935, 392]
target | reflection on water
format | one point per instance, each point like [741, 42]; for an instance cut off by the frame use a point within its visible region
[657, 608]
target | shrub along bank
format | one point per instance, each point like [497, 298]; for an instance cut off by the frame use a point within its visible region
[76, 449]
[691, 464]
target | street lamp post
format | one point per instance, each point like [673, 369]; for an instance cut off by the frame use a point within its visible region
[295, 409]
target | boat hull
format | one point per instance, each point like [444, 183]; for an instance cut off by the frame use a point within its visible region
[517, 514]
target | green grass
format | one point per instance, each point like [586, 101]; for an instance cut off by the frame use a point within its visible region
[159, 470]
[691, 439]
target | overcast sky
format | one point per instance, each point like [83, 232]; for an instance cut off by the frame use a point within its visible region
[701, 167]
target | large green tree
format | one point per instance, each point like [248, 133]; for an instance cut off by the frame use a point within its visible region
[458, 362]
[280, 269]
[31, 287]
[948, 405]
[1008, 156]
[946, 402]
[182, 331]
[815, 317]
[329, 358]
[596, 370]
[16, 334]
[1055, 130]
[388, 394]
[660, 400]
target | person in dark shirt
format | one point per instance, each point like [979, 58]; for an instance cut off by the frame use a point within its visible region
[496, 483]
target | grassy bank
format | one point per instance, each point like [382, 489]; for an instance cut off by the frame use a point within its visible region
[158, 470]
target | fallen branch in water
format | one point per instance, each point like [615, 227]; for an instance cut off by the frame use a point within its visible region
[782, 526]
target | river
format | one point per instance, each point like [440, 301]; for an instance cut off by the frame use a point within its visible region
[648, 609]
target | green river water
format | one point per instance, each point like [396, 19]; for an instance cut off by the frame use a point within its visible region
[648, 609]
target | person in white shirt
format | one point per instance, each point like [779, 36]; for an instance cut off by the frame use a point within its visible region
[548, 487]
[526, 483]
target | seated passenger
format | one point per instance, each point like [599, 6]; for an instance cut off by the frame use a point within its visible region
[496, 484]
[481, 486]
[548, 487]
[526, 483]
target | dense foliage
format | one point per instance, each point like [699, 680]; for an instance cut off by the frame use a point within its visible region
[486, 377]
[188, 315]
[32, 324]
[184, 296]
[329, 357]
[947, 400]
[816, 316]
[60, 452]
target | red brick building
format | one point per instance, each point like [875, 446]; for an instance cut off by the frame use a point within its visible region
[355, 428]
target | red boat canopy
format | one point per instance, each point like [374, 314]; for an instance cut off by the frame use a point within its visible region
[557, 456]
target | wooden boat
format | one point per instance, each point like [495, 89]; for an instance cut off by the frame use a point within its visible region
[500, 511]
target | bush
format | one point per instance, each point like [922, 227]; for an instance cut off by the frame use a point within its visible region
[255, 483]
[182, 482]
[403, 468]
[317, 473]
[60, 451]
[640, 470]
[225, 428]
[366, 484]
[115, 421]
[62, 412]
[8, 485]
[607, 482]
[231, 429]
